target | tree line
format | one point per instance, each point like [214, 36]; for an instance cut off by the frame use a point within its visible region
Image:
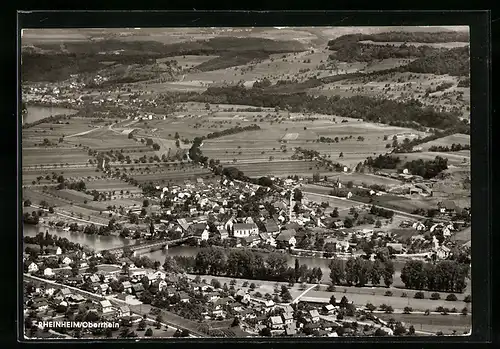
[384, 161]
[364, 52]
[444, 276]
[359, 107]
[46, 240]
[393, 36]
[360, 272]
[427, 169]
[243, 263]
[454, 147]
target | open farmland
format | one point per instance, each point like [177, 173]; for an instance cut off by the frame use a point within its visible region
[266, 144]
[281, 168]
[51, 156]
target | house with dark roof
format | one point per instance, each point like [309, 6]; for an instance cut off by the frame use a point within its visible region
[287, 236]
[397, 247]
[448, 206]
[137, 289]
[271, 226]
[267, 238]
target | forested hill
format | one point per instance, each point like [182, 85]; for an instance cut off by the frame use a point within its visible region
[455, 62]
[421, 37]
[407, 114]
[54, 62]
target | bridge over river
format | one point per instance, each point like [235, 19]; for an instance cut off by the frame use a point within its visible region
[148, 246]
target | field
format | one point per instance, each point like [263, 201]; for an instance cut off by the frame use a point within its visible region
[51, 156]
[454, 159]
[434, 322]
[268, 141]
[448, 141]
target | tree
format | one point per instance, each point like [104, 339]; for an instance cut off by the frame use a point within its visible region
[335, 213]
[333, 301]
[265, 332]
[465, 311]
[388, 273]
[378, 223]
[419, 295]
[142, 325]
[337, 273]
[344, 302]
[370, 307]
[92, 267]
[236, 322]
[451, 297]
[348, 222]
[411, 330]
[149, 332]
[435, 296]
[399, 330]
[297, 195]
[215, 283]
[145, 203]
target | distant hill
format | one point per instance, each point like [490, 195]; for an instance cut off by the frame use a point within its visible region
[57, 61]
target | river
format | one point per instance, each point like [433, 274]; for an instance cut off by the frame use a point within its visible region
[36, 113]
[97, 242]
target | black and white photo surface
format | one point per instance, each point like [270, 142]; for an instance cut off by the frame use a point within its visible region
[246, 182]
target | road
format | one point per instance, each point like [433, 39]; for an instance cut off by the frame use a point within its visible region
[165, 144]
[83, 133]
[303, 293]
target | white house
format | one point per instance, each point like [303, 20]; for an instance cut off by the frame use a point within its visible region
[276, 322]
[48, 272]
[243, 230]
[105, 306]
[66, 260]
[419, 226]
[32, 268]
[287, 318]
[314, 315]
[205, 234]
[442, 252]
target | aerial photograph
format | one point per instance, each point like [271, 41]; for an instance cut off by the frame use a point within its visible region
[244, 182]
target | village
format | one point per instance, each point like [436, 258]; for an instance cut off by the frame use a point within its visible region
[239, 216]
[245, 182]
